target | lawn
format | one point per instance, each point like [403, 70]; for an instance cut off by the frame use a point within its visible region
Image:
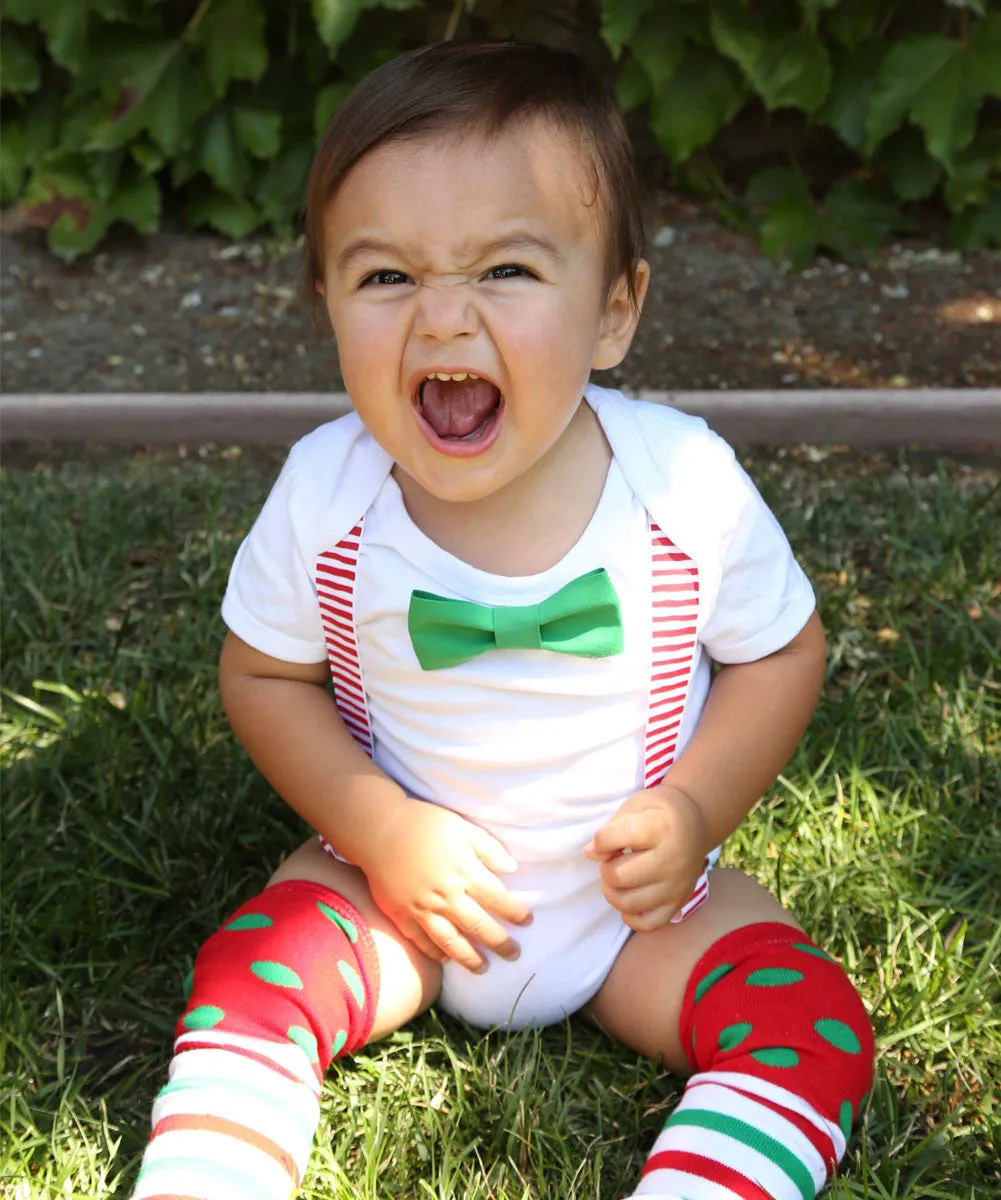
[132, 823]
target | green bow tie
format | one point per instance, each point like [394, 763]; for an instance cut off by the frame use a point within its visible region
[582, 618]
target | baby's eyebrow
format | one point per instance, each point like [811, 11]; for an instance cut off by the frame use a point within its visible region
[518, 241]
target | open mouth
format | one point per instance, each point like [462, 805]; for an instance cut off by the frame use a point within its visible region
[459, 414]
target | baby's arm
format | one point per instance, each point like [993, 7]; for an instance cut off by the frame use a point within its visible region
[429, 870]
[752, 722]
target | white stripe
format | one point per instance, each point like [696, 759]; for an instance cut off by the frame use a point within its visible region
[778, 1095]
[722, 1148]
[716, 1098]
[290, 1056]
[163, 1181]
[669, 1184]
[230, 1153]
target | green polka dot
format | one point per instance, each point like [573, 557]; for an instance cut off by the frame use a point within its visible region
[839, 1034]
[339, 1040]
[845, 1117]
[342, 923]
[353, 980]
[776, 1056]
[862, 1102]
[814, 950]
[714, 976]
[249, 921]
[276, 973]
[205, 1016]
[189, 983]
[304, 1040]
[733, 1035]
[773, 977]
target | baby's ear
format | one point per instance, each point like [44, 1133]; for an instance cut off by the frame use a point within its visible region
[621, 316]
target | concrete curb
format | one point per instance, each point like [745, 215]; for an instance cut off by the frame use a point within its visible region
[945, 418]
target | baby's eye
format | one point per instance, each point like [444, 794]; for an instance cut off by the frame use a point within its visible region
[511, 271]
[383, 278]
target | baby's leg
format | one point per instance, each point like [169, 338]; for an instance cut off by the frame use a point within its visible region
[306, 971]
[779, 1039]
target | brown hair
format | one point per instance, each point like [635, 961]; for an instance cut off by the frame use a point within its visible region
[455, 87]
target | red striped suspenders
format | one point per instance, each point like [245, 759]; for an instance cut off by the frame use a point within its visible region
[336, 571]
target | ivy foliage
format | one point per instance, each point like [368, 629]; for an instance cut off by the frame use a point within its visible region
[108, 106]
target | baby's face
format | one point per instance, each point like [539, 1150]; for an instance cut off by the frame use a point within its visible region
[459, 256]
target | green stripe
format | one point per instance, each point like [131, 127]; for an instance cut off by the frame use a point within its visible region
[201, 1172]
[347, 927]
[353, 980]
[756, 1139]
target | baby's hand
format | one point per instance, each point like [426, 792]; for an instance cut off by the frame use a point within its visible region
[666, 833]
[434, 877]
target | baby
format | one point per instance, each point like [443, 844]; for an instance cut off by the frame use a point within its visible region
[515, 582]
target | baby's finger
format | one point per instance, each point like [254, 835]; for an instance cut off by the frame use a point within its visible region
[491, 894]
[490, 852]
[483, 929]
[649, 921]
[632, 831]
[456, 947]
[414, 933]
[631, 870]
[636, 901]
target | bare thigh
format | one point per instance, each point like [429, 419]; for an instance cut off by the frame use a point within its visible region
[640, 1001]
[409, 981]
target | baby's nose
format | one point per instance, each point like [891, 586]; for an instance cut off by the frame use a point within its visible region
[445, 310]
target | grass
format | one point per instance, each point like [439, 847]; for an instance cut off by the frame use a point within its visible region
[132, 823]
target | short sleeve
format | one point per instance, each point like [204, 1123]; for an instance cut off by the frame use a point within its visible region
[270, 600]
[764, 597]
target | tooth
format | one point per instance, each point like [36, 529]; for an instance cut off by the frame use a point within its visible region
[459, 378]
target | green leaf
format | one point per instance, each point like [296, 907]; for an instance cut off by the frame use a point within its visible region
[335, 19]
[137, 201]
[279, 193]
[633, 88]
[232, 36]
[19, 69]
[738, 34]
[41, 125]
[978, 227]
[847, 102]
[231, 215]
[773, 184]
[328, 100]
[984, 56]
[259, 130]
[695, 103]
[12, 162]
[65, 28]
[859, 215]
[909, 66]
[947, 111]
[813, 10]
[793, 71]
[853, 22]
[147, 155]
[911, 170]
[660, 43]
[619, 20]
[61, 199]
[791, 228]
[974, 171]
[172, 109]
[220, 154]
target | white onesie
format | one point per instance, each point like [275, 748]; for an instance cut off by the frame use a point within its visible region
[538, 748]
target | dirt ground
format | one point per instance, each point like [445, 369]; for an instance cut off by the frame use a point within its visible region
[178, 312]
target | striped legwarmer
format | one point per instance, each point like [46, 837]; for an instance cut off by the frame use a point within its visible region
[784, 1051]
[289, 982]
